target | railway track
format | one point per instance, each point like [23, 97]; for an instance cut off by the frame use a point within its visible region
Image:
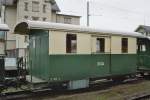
[142, 96]
[98, 86]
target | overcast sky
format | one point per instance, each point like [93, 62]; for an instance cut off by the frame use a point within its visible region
[112, 14]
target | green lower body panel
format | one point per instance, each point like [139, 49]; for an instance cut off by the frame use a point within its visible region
[123, 64]
[54, 68]
[144, 62]
[2, 69]
[77, 67]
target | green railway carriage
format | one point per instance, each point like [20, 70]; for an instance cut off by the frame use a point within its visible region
[144, 55]
[3, 29]
[75, 54]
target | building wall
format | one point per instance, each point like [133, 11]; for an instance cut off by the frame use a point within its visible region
[53, 16]
[9, 17]
[10, 20]
[21, 13]
[61, 19]
[16, 13]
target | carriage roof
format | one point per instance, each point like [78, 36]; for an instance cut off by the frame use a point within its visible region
[4, 27]
[24, 27]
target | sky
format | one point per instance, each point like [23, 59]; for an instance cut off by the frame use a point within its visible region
[109, 14]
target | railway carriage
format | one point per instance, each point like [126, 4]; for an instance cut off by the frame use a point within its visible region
[144, 56]
[3, 29]
[75, 55]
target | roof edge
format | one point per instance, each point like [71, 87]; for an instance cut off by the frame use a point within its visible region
[4, 27]
[24, 28]
[68, 15]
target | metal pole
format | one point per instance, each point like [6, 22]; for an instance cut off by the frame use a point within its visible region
[144, 20]
[88, 15]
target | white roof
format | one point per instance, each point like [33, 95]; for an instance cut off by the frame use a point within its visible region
[24, 27]
[148, 37]
[4, 27]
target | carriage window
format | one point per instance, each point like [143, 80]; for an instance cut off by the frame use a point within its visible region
[124, 45]
[142, 48]
[71, 43]
[100, 45]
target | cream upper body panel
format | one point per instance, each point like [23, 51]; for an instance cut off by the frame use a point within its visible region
[83, 43]
[115, 45]
[57, 42]
[132, 45]
[86, 43]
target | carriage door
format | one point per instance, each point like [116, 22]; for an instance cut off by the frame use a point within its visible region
[101, 55]
[143, 54]
[38, 53]
[31, 55]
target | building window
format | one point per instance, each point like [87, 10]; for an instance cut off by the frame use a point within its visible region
[124, 45]
[71, 43]
[44, 8]
[26, 39]
[67, 20]
[44, 19]
[35, 6]
[11, 53]
[26, 6]
[26, 17]
[148, 33]
[100, 45]
[35, 18]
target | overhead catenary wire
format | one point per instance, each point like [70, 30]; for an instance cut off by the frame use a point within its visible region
[142, 15]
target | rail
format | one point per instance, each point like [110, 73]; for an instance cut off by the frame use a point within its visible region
[31, 94]
[142, 96]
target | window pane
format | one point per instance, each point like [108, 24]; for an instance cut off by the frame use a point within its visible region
[71, 43]
[2, 34]
[35, 6]
[35, 18]
[124, 45]
[44, 8]
[142, 48]
[67, 20]
[26, 6]
[100, 45]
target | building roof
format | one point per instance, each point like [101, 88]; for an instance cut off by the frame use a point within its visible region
[146, 28]
[72, 15]
[4, 27]
[24, 27]
[55, 7]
